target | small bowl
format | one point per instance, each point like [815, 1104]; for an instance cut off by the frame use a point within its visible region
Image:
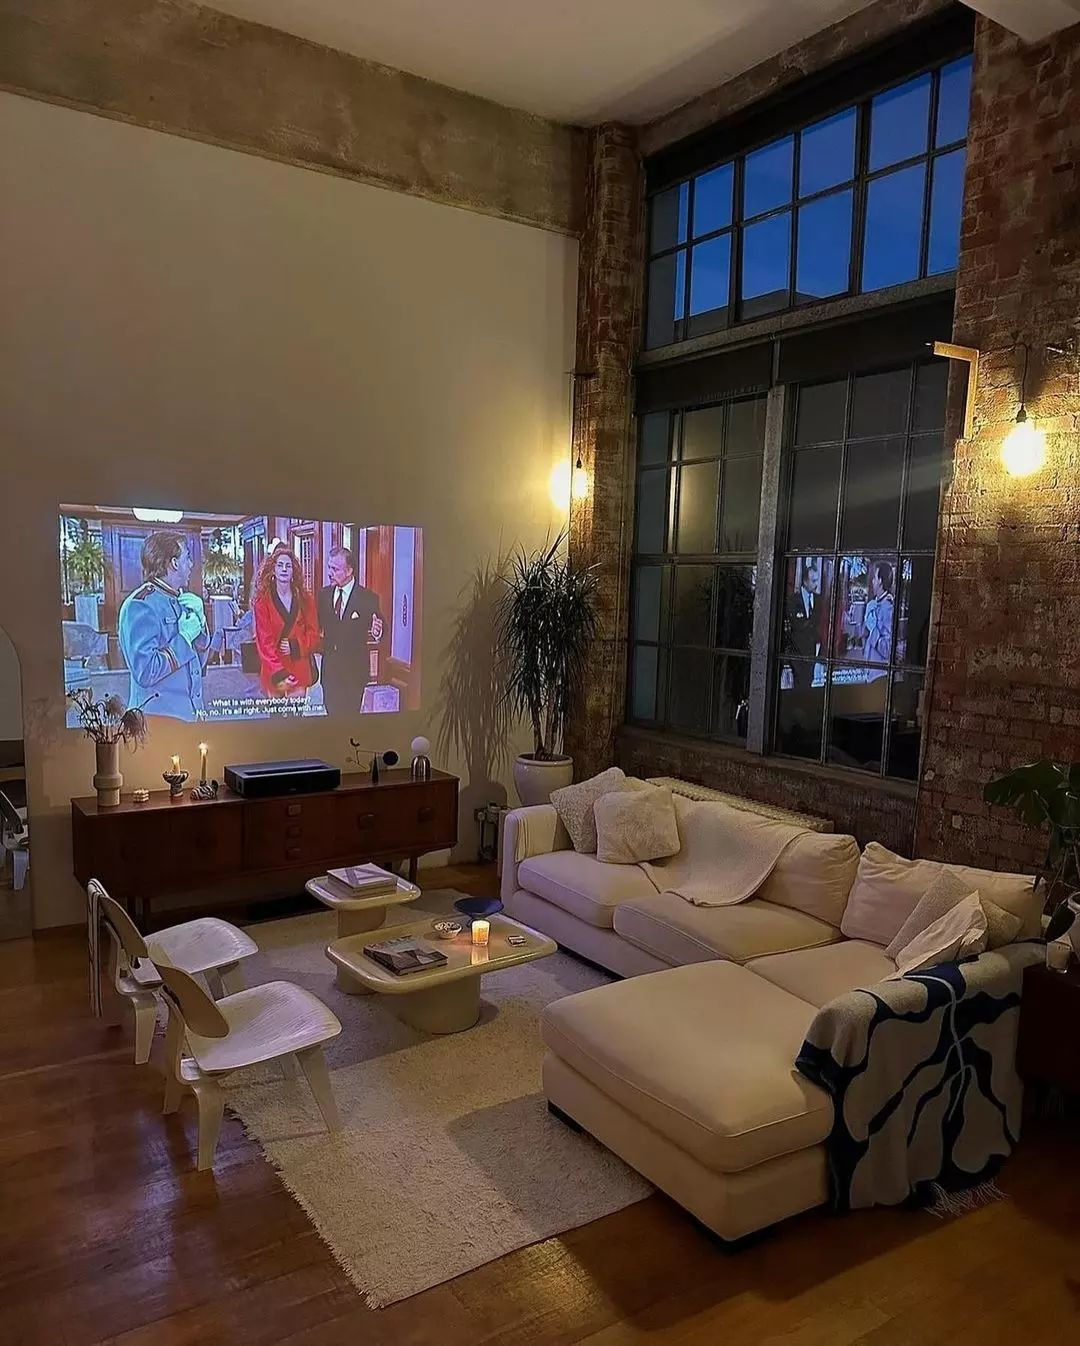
[447, 929]
[478, 907]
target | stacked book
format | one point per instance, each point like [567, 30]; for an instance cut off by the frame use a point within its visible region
[358, 881]
[405, 954]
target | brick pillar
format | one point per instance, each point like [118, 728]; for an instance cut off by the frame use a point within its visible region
[609, 303]
[1006, 664]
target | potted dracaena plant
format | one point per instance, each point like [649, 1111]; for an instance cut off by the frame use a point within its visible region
[109, 724]
[546, 621]
[1047, 794]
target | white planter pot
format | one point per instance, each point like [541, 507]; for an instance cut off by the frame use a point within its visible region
[87, 610]
[535, 781]
[107, 777]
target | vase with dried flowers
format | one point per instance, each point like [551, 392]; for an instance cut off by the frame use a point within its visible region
[109, 724]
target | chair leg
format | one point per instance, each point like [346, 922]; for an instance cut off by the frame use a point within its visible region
[145, 1022]
[213, 979]
[289, 1067]
[313, 1064]
[232, 979]
[174, 1052]
[211, 1100]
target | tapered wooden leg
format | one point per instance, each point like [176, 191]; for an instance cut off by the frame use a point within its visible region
[232, 979]
[174, 1052]
[313, 1064]
[289, 1069]
[145, 1020]
[211, 1100]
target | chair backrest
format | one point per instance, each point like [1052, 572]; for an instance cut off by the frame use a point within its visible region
[10, 816]
[184, 996]
[120, 925]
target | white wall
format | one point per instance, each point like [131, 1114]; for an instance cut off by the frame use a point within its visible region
[180, 323]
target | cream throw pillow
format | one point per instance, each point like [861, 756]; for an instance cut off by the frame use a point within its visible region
[574, 804]
[939, 899]
[960, 933]
[636, 825]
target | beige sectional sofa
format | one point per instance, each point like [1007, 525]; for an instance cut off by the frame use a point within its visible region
[687, 1073]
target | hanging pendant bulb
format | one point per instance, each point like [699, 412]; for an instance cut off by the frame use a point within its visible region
[579, 488]
[1024, 450]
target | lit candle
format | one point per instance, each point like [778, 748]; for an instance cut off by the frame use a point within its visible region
[480, 933]
[176, 761]
[202, 763]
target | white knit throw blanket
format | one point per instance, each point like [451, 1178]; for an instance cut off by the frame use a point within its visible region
[726, 854]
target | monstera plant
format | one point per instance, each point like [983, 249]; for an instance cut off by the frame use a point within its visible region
[1046, 794]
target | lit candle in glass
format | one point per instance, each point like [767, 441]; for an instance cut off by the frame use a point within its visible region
[481, 930]
[202, 763]
[176, 761]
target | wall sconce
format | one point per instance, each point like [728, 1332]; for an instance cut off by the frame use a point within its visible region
[970, 356]
[1024, 450]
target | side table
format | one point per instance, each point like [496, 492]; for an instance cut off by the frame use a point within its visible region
[359, 915]
[1048, 1047]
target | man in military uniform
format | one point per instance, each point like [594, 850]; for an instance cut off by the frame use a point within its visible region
[163, 635]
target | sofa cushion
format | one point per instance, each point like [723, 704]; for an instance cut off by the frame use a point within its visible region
[820, 975]
[814, 875]
[703, 1055]
[677, 931]
[888, 887]
[583, 885]
[946, 891]
[574, 804]
[636, 825]
[959, 933]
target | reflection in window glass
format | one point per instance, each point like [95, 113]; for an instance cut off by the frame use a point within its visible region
[873, 480]
[651, 511]
[740, 506]
[821, 412]
[655, 437]
[693, 605]
[931, 387]
[710, 275]
[703, 432]
[857, 703]
[923, 492]
[712, 200]
[648, 585]
[824, 253]
[767, 177]
[807, 598]
[667, 218]
[905, 725]
[735, 606]
[880, 403]
[815, 490]
[800, 706]
[899, 123]
[690, 692]
[865, 609]
[827, 153]
[660, 301]
[765, 263]
[946, 209]
[894, 212]
[746, 425]
[643, 682]
[699, 491]
[732, 697]
[954, 101]
[913, 625]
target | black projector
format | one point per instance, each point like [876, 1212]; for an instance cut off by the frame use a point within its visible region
[260, 780]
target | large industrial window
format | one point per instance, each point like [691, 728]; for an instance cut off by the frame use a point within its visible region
[862, 199]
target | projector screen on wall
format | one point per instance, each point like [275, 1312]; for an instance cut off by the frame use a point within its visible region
[211, 617]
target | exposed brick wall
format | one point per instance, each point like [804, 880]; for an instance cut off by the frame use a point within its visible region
[610, 279]
[1006, 659]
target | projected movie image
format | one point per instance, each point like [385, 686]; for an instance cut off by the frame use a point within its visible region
[212, 617]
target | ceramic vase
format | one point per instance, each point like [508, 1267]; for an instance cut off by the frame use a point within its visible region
[535, 780]
[107, 777]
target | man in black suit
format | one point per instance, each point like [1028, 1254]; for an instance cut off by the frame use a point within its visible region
[804, 623]
[349, 619]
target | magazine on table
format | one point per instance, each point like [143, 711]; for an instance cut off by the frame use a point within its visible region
[406, 954]
[361, 881]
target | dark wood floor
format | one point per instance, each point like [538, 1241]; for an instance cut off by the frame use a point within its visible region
[108, 1235]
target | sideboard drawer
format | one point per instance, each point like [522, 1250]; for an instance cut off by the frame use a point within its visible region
[410, 817]
[288, 832]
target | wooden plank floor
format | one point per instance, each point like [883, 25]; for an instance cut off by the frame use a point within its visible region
[108, 1235]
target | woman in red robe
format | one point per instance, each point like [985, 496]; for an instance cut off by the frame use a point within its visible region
[286, 627]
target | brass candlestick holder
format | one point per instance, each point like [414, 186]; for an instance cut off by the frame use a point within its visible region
[175, 780]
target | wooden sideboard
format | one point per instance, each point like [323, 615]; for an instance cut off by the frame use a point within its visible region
[139, 851]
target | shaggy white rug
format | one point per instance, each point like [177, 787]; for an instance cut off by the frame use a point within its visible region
[448, 1156]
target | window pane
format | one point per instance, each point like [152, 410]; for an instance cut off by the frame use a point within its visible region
[824, 261]
[913, 625]
[665, 291]
[699, 489]
[923, 492]
[710, 279]
[746, 425]
[931, 389]
[821, 412]
[827, 153]
[690, 690]
[643, 680]
[767, 175]
[815, 485]
[690, 623]
[899, 122]
[807, 595]
[865, 608]
[905, 724]
[732, 698]
[740, 505]
[873, 481]
[946, 208]
[648, 591]
[655, 437]
[799, 709]
[667, 218]
[703, 432]
[954, 100]
[766, 265]
[735, 606]
[880, 403]
[651, 511]
[894, 211]
[857, 717]
[712, 200]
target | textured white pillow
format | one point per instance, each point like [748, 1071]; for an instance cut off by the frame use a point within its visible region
[574, 804]
[633, 826]
[943, 894]
[960, 933]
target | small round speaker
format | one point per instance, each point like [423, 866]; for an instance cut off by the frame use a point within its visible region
[390, 757]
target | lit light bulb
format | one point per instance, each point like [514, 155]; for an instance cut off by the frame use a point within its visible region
[559, 485]
[579, 489]
[1024, 450]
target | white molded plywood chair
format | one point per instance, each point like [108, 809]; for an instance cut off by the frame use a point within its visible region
[208, 947]
[274, 1022]
[15, 838]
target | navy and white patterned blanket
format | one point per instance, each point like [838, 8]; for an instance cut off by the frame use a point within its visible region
[922, 1073]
